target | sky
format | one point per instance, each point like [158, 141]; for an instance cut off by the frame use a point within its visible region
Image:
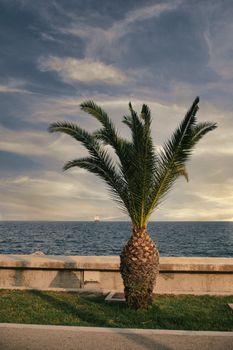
[56, 54]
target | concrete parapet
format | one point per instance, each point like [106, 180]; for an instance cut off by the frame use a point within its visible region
[178, 275]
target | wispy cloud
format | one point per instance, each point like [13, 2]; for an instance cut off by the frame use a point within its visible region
[218, 36]
[162, 54]
[102, 40]
[84, 70]
[204, 200]
[53, 196]
[23, 142]
[79, 192]
[8, 89]
[40, 144]
[220, 51]
[122, 27]
[15, 86]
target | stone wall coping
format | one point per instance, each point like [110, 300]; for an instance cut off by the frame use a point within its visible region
[111, 263]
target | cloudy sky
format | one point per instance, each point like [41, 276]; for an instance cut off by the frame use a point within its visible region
[57, 53]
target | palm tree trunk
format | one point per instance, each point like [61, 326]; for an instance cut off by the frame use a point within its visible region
[139, 268]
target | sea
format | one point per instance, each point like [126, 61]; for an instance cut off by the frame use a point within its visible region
[213, 239]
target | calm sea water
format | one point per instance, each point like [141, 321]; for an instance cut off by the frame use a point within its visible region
[108, 238]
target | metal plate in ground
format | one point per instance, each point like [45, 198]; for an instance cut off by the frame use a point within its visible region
[115, 296]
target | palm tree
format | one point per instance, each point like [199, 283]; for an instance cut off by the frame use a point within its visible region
[138, 181]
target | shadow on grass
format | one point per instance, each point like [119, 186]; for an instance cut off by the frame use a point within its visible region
[144, 341]
[79, 315]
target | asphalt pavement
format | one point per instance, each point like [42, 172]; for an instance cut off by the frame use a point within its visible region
[38, 337]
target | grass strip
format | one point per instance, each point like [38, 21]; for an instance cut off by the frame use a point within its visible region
[187, 312]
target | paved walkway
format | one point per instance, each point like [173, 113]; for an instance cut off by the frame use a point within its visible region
[33, 337]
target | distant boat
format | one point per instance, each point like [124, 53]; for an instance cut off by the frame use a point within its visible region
[97, 219]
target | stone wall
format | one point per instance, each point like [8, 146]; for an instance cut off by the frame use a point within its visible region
[178, 275]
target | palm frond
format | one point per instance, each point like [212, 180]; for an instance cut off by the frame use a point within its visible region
[142, 162]
[127, 120]
[108, 132]
[199, 130]
[109, 135]
[97, 112]
[79, 134]
[122, 147]
[142, 176]
[105, 170]
[172, 158]
[99, 162]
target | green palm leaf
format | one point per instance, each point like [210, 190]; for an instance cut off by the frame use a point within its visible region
[142, 176]
[99, 162]
[174, 155]
[199, 130]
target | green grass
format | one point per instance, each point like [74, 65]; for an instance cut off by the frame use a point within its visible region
[168, 312]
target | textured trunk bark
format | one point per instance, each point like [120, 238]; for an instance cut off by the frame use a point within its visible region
[139, 268]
